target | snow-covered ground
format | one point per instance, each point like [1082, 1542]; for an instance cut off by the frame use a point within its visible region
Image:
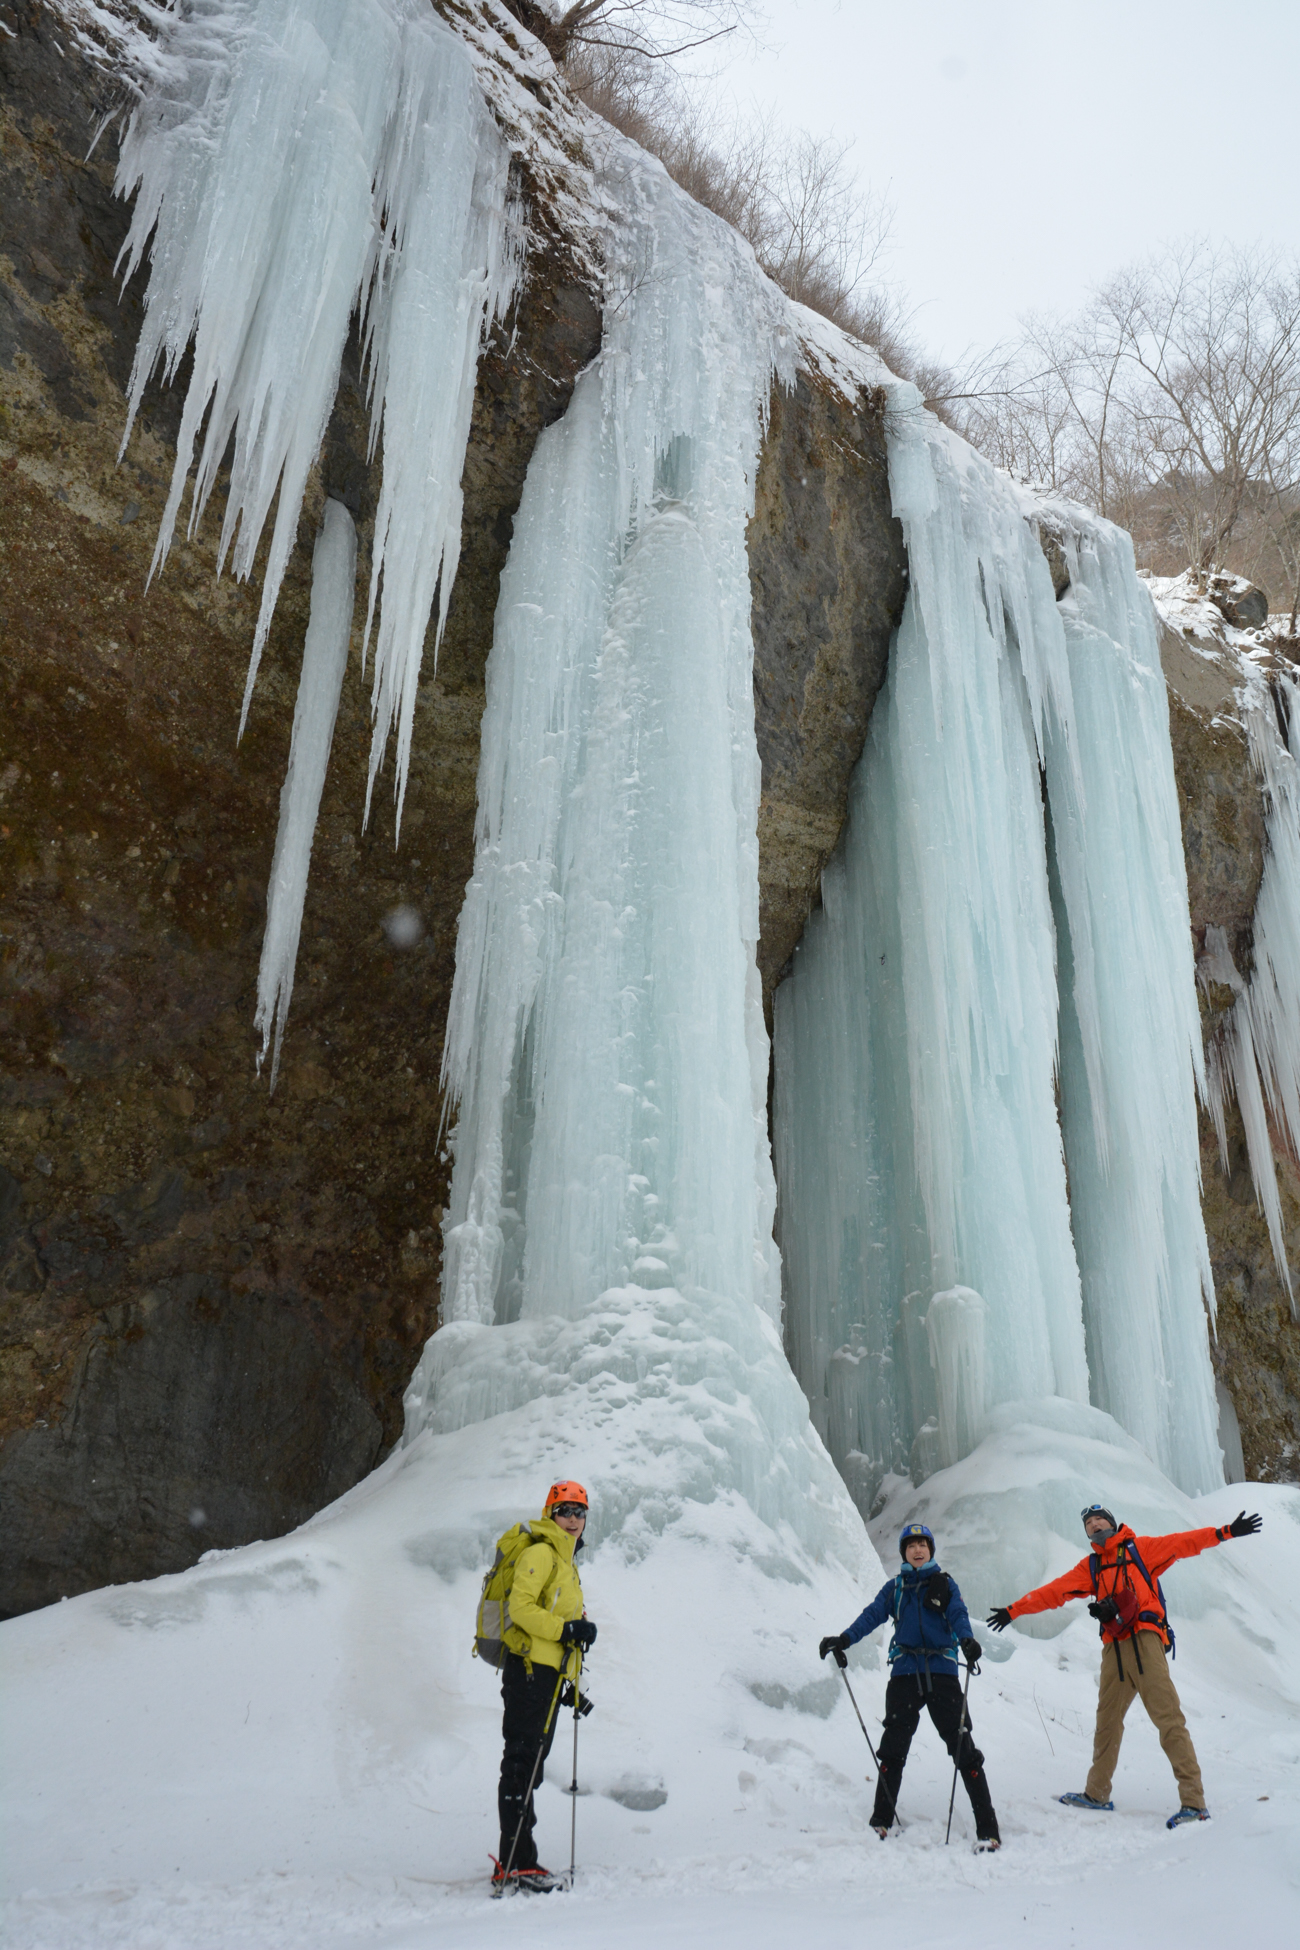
[291, 1745]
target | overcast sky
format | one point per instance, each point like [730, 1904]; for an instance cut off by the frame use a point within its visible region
[1032, 149]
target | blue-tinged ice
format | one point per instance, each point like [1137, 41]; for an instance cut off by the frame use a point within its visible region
[605, 1040]
[1131, 1051]
[1018, 759]
[917, 1143]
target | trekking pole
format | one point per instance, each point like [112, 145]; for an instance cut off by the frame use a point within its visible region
[961, 1732]
[893, 1803]
[573, 1811]
[505, 1874]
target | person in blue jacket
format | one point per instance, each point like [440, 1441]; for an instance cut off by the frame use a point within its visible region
[931, 1625]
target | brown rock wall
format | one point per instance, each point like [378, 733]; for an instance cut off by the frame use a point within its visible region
[829, 574]
[1256, 1349]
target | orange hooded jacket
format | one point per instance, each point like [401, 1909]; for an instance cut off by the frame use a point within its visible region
[1114, 1581]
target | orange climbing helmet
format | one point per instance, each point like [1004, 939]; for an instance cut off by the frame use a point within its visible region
[565, 1492]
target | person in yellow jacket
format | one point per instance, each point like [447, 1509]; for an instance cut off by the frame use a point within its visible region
[545, 1639]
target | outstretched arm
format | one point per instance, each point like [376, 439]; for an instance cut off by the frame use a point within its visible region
[1158, 1553]
[1046, 1597]
[876, 1613]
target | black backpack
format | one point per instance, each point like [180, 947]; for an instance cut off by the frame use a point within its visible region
[1128, 1553]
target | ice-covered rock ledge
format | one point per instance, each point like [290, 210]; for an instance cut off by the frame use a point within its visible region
[1230, 658]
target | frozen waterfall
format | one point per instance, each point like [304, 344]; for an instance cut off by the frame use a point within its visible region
[609, 1239]
[987, 1053]
[605, 1040]
[1018, 763]
[1131, 1053]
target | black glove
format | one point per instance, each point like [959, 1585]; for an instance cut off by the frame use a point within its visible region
[579, 1631]
[998, 1619]
[972, 1652]
[1104, 1610]
[567, 1699]
[1244, 1526]
[837, 1644]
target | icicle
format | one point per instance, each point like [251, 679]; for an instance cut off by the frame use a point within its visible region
[444, 272]
[301, 159]
[324, 661]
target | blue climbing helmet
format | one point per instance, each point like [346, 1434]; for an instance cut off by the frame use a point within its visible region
[909, 1534]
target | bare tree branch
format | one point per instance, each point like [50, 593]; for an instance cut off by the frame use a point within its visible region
[1171, 402]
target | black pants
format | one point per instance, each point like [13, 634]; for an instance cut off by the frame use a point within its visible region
[904, 1699]
[526, 1699]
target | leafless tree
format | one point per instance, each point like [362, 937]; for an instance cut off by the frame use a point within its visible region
[822, 233]
[1171, 403]
[1283, 520]
[657, 30]
[1213, 340]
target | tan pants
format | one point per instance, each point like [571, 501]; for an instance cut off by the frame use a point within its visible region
[1155, 1688]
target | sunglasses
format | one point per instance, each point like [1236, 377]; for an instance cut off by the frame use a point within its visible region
[568, 1509]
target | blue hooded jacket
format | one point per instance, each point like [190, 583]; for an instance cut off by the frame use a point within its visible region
[924, 1640]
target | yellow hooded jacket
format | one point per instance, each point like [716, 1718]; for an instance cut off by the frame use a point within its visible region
[545, 1594]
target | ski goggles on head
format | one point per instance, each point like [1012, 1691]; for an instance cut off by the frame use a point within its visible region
[1097, 1510]
[568, 1509]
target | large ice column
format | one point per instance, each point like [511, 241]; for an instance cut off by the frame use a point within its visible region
[1130, 1029]
[605, 1037]
[611, 1282]
[917, 1143]
[297, 162]
[1259, 1057]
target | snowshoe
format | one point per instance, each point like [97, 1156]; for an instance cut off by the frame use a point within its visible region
[884, 1833]
[1085, 1801]
[987, 1845]
[535, 1881]
[1187, 1814]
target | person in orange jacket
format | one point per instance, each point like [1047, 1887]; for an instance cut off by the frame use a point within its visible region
[1121, 1576]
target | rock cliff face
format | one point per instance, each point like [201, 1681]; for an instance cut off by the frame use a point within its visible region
[1256, 1350]
[210, 1298]
[829, 574]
